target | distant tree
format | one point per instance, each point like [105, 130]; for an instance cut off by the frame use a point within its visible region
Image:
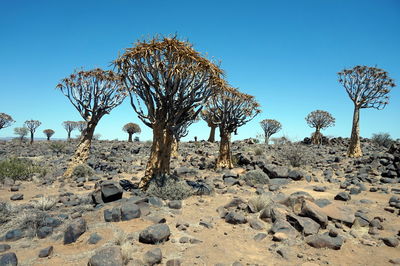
[173, 81]
[93, 93]
[96, 136]
[270, 127]
[21, 132]
[367, 87]
[69, 126]
[131, 128]
[181, 133]
[5, 120]
[32, 125]
[233, 109]
[48, 133]
[207, 116]
[319, 120]
[81, 126]
[136, 139]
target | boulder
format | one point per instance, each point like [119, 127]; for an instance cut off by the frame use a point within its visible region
[110, 191]
[339, 212]
[43, 253]
[325, 241]
[311, 210]
[155, 234]
[74, 231]
[129, 211]
[153, 256]
[8, 259]
[107, 256]
[234, 217]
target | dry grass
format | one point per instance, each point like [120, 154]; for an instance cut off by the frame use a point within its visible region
[127, 251]
[45, 203]
[260, 202]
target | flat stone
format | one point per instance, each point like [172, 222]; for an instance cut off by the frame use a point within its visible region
[18, 196]
[390, 241]
[107, 256]
[234, 217]
[311, 210]
[343, 196]
[324, 241]
[260, 236]
[153, 256]
[46, 252]
[339, 212]
[129, 211]
[74, 231]
[94, 238]
[14, 235]
[8, 259]
[256, 224]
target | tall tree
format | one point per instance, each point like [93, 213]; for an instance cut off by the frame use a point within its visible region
[5, 120]
[270, 127]
[21, 132]
[319, 120]
[207, 115]
[367, 87]
[32, 125]
[48, 133]
[131, 128]
[93, 93]
[69, 126]
[233, 109]
[170, 79]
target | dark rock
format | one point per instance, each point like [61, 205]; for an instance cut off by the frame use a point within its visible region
[296, 175]
[44, 231]
[304, 224]
[274, 171]
[156, 201]
[234, 203]
[355, 191]
[8, 259]
[153, 256]
[18, 196]
[111, 191]
[175, 204]
[390, 241]
[155, 234]
[94, 238]
[324, 241]
[129, 211]
[4, 247]
[74, 231]
[260, 236]
[343, 196]
[235, 218]
[14, 235]
[46, 252]
[319, 188]
[282, 226]
[322, 202]
[314, 212]
[108, 256]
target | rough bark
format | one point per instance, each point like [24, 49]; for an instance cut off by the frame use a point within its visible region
[355, 145]
[48, 138]
[211, 138]
[130, 137]
[267, 140]
[225, 157]
[69, 135]
[31, 137]
[160, 155]
[174, 148]
[82, 152]
[316, 138]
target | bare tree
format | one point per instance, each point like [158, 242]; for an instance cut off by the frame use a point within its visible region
[131, 128]
[93, 93]
[32, 125]
[207, 115]
[5, 120]
[69, 126]
[270, 127]
[170, 79]
[367, 87]
[319, 120]
[21, 132]
[81, 126]
[48, 133]
[233, 109]
[181, 133]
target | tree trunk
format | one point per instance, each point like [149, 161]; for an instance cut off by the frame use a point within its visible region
[160, 155]
[82, 152]
[31, 137]
[69, 135]
[355, 145]
[130, 137]
[211, 138]
[48, 138]
[267, 139]
[316, 138]
[174, 148]
[225, 158]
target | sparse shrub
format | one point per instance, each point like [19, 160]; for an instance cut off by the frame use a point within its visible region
[45, 203]
[169, 188]
[281, 141]
[295, 154]
[127, 251]
[18, 169]
[5, 212]
[82, 170]
[260, 202]
[382, 139]
[30, 221]
[57, 147]
[258, 151]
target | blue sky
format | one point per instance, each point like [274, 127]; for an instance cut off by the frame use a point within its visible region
[285, 53]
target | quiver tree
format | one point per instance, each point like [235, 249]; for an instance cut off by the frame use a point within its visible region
[81, 126]
[181, 133]
[131, 128]
[367, 87]
[32, 125]
[48, 133]
[172, 81]
[207, 116]
[69, 126]
[270, 127]
[319, 120]
[93, 93]
[232, 110]
[5, 120]
[21, 132]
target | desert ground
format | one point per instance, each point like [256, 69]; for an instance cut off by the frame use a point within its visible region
[282, 204]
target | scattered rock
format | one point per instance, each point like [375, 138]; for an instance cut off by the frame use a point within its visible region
[74, 231]
[155, 234]
[390, 241]
[324, 241]
[18, 196]
[4, 247]
[8, 259]
[153, 256]
[343, 196]
[94, 238]
[107, 256]
[46, 252]
[234, 217]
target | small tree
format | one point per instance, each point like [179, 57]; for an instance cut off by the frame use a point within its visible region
[69, 126]
[48, 133]
[367, 87]
[173, 81]
[5, 120]
[32, 125]
[93, 93]
[21, 132]
[270, 127]
[207, 115]
[131, 128]
[319, 120]
[232, 110]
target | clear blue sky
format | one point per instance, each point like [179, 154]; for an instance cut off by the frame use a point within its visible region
[285, 53]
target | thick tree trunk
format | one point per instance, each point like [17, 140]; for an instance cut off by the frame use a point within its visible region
[267, 139]
[48, 138]
[174, 148]
[355, 145]
[160, 155]
[225, 157]
[69, 135]
[316, 138]
[130, 137]
[82, 152]
[211, 138]
[31, 137]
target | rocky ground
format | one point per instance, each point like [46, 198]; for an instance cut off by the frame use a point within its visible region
[281, 205]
